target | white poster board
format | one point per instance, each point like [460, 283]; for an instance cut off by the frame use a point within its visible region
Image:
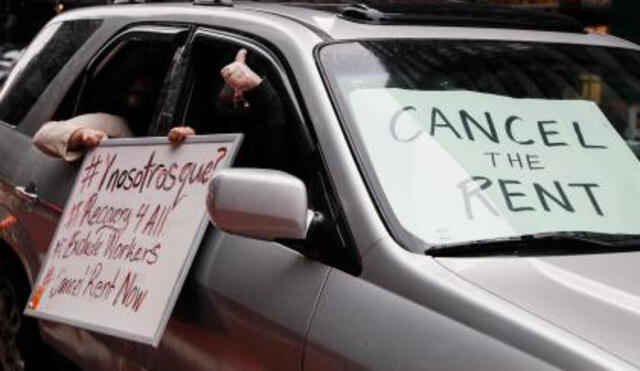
[128, 235]
[459, 166]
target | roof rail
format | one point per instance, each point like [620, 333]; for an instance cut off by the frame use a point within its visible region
[459, 14]
[118, 2]
[195, 2]
[213, 2]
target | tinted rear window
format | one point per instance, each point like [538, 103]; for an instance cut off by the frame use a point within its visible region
[46, 55]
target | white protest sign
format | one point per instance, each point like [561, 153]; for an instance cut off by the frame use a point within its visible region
[459, 166]
[128, 235]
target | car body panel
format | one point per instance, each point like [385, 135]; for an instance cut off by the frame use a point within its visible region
[32, 233]
[17, 236]
[247, 305]
[425, 281]
[355, 315]
[596, 297]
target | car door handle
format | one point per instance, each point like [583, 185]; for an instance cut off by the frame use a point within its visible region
[27, 194]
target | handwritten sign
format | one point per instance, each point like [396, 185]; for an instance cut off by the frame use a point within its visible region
[128, 235]
[458, 166]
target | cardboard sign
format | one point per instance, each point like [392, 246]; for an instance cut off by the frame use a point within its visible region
[128, 235]
[459, 166]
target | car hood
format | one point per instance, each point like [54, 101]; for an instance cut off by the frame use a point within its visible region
[596, 297]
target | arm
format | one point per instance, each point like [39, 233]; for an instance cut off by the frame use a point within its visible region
[69, 139]
[270, 128]
[265, 104]
[178, 134]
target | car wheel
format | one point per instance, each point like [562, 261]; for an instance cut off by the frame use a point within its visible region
[10, 324]
[21, 347]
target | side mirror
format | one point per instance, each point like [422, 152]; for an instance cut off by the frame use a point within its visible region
[259, 203]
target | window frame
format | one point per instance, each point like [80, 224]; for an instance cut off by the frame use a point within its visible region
[320, 171]
[253, 46]
[154, 32]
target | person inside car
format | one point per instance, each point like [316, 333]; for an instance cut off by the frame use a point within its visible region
[69, 139]
[247, 99]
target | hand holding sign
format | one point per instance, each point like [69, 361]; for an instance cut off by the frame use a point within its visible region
[85, 138]
[178, 134]
[239, 76]
[129, 233]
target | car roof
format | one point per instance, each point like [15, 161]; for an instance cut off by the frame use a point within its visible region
[327, 22]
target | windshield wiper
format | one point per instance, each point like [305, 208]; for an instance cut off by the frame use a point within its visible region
[559, 243]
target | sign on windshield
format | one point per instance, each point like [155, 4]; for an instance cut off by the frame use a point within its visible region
[459, 166]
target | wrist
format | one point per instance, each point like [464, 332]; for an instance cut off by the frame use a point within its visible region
[75, 139]
[254, 83]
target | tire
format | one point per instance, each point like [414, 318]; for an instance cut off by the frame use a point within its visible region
[11, 325]
[21, 347]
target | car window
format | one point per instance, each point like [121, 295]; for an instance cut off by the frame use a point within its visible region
[47, 54]
[274, 135]
[263, 116]
[130, 69]
[126, 80]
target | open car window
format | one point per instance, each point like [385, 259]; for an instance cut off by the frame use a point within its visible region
[125, 80]
[133, 64]
[275, 137]
[264, 114]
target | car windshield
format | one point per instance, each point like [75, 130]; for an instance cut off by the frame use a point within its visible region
[477, 140]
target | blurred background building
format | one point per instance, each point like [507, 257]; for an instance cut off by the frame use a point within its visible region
[595, 14]
[20, 20]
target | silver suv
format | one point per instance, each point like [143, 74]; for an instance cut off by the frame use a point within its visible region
[471, 172]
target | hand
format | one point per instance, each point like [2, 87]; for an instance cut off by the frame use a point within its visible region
[178, 134]
[239, 76]
[85, 138]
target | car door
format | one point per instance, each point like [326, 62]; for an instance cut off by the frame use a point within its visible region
[24, 93]
[45, 182]
[247, 304]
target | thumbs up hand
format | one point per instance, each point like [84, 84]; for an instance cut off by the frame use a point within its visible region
[239, 76]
